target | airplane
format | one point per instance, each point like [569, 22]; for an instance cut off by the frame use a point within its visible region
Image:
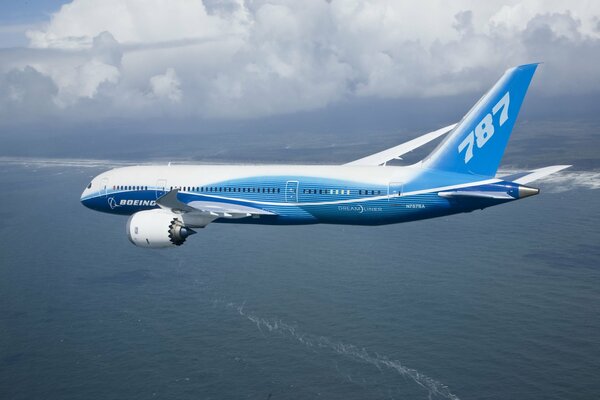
[169, 203]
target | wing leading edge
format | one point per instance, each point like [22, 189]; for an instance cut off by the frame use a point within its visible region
[395, 152]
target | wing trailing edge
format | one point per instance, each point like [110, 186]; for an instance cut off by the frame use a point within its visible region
[395, 152]
[209, 209]
[526, 177]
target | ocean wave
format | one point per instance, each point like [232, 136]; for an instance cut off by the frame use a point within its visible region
[435, 389]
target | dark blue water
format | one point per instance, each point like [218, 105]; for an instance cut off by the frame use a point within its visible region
[498, 304]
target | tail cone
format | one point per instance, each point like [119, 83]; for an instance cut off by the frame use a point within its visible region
[526, 191]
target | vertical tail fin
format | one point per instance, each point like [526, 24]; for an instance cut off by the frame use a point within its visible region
[477, 143]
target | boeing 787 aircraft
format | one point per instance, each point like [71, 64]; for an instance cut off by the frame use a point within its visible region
[166, 203]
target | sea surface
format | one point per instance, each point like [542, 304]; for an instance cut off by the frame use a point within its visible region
[496, 304]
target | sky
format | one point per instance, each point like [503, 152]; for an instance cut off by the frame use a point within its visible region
[84, 62]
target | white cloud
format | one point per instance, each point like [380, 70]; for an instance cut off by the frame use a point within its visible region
[166, 86]
[254, 58]
[26, 94]
[140, 21]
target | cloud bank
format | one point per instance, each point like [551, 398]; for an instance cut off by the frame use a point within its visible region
[247, 59]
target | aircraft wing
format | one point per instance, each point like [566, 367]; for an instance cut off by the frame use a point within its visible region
[210, 210]
[395, 152]
[526, 177]
[169, 201]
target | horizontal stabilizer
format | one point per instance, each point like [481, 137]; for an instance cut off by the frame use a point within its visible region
[477, 194]
[526, 177]
[395, 152]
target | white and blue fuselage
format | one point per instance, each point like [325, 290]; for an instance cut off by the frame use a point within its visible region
[294, 194]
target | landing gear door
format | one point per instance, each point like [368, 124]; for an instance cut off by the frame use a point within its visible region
[161, 188]
[394, 190]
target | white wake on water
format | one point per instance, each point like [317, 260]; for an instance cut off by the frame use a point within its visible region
[63, 162]
[563, 181]
[566, 181]
[433, 387]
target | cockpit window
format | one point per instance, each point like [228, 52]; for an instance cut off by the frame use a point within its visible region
[89, 186]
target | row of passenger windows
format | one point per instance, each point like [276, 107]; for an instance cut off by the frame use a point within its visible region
[369, 192]
[326, 191]
[341, 191]
[252, 190]
[227, 189]
[122, 187]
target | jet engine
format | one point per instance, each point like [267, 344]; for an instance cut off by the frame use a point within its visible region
[157, 228]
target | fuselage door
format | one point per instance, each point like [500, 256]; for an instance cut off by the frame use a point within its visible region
[104, 187]
[161, 187]
[394, 190]
[291, 191]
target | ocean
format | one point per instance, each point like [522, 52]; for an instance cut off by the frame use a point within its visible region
[496, 304]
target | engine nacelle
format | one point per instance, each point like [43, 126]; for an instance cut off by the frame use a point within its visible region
[157, 228]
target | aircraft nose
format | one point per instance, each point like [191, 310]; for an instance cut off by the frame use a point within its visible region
[84, 196]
